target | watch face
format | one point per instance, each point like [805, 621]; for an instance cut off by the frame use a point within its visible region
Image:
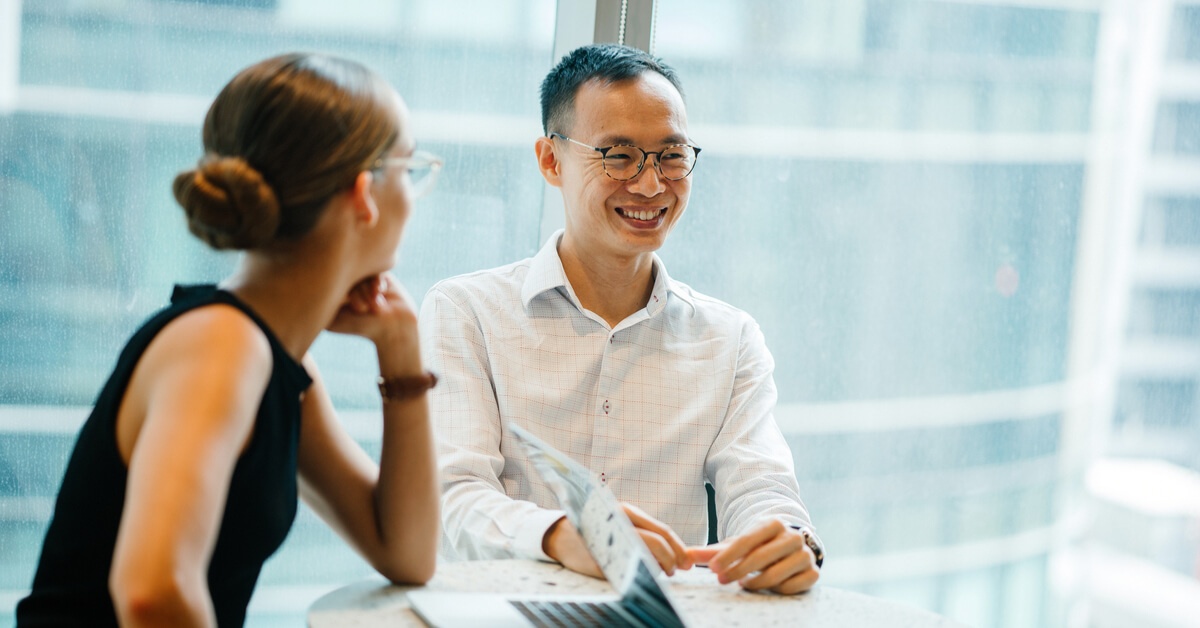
[818, 552]
[811, 541]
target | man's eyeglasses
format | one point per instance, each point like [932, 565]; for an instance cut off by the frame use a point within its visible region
[422, 167]
[623, 162]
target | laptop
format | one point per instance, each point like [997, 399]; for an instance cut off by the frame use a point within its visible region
[610, 537]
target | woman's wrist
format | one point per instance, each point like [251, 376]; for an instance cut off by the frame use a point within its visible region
[396, 331]
[399, 354]
[401, 362]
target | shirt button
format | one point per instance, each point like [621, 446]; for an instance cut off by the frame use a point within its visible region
[607, 406]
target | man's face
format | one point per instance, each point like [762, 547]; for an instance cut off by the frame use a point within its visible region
[622, 218]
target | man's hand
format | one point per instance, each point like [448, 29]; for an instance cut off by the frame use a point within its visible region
[663, 543]
[564, 544]
[773, 556]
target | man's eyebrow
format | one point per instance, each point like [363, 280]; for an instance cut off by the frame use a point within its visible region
[621, 140]
[615, 140]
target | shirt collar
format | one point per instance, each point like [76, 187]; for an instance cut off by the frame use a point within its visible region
[546, 273]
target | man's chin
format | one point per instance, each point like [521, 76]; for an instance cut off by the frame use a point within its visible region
[643, 245]
[645, 239]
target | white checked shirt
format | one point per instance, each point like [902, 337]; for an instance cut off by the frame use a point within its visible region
[676, 394]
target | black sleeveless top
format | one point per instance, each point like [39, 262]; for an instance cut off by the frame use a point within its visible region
[70, 587]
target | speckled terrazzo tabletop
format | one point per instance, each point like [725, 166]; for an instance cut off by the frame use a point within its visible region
[700, 599]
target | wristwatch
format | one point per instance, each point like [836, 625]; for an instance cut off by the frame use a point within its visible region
[812, 541]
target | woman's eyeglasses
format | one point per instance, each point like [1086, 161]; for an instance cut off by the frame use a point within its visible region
[422, 167]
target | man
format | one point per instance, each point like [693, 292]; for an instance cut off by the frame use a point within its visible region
[592, 346]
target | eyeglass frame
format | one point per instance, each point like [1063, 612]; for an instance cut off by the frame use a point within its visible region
[642, 164]
[435, 165]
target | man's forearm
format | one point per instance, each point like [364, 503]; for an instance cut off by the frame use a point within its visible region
[480, 522]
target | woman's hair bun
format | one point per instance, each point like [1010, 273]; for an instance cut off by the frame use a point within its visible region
[228, 203]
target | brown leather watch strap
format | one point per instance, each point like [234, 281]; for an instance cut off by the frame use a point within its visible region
[407, 387]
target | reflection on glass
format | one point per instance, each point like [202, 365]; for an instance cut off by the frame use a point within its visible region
[898, 191]
[111, 98]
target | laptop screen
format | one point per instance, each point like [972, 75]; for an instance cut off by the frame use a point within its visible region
[606, 530]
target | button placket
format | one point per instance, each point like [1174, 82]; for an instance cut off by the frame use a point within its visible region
[606, 406]
[601, 444]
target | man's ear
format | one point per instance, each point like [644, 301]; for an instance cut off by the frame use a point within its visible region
[548, 161]
[365, 208]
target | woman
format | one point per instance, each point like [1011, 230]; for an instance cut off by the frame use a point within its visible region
[185, 477]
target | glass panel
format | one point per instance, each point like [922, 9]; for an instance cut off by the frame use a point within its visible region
[1172, 222]
[901, 193]
[110, 100]
[1148, 534]
[897, 190]
[1184, 42]
[1160, 402]
[1178, 129]
[1166, 314]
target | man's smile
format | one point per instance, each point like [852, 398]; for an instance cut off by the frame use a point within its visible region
[643, 217]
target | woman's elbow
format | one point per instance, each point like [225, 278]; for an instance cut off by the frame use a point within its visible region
[413, 576]
[142, 603]
[141, 600]
[411, 559]
[413, 571]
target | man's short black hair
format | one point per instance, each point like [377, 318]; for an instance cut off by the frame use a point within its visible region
[610, 63]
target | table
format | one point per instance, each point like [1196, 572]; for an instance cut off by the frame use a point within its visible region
[700, 598]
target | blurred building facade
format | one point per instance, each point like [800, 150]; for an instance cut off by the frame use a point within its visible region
[968, 229]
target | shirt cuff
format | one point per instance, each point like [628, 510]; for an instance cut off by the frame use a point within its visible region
[528, 542]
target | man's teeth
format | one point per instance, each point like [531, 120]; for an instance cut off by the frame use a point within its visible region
[649, 214]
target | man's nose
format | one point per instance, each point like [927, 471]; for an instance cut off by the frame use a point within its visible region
[648, 182]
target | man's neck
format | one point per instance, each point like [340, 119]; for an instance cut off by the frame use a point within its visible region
[611, 287]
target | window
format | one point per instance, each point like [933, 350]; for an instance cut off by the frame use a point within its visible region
[108, 107]
[903, 194]
[969, 231]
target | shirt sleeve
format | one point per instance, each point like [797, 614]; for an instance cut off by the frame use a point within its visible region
[479, 521]
[750, 464]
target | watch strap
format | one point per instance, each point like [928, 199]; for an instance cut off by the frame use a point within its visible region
[406, 387]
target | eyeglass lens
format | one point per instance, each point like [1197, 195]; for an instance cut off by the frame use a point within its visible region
[625, 162]
[422, 172]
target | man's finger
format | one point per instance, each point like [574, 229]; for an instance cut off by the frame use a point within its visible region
[764, 556]
[661, 550]
[779, 571]
[739, 547]
[800, 582]
[702, 555]
[644, 521]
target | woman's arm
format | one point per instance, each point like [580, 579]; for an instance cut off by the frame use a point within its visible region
[187, 414]
[389, 513]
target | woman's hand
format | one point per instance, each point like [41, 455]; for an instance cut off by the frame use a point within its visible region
[379, 309]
